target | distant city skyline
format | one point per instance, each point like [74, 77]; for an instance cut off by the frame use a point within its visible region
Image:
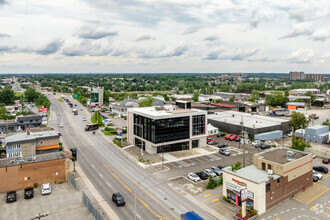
[172, 36]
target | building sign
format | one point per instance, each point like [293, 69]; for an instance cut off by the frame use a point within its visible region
[43, 110]
[244, 195]
[239, 182]
[238, 189]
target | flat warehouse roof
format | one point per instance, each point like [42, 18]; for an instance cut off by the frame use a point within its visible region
[278, 155]
[250, 121]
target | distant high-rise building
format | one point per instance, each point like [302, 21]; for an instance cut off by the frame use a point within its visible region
[316, 77]
[296, 76]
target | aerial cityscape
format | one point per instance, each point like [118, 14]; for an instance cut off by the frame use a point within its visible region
[164, 110]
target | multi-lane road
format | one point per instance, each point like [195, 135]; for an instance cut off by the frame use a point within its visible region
[110, 170]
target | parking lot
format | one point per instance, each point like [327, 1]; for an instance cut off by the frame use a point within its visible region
[63, 203]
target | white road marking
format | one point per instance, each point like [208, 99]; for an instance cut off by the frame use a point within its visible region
[138, 216]
[100, 175]
[275, 214]
[302, 209]
[183, 208]
[315, 218]
[92, 165]
[294, 208]
[269, 216]
[161, 191]
[282, 212]
[288, 210]
[109, 185]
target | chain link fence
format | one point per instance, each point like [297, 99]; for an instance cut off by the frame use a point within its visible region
[73, 181]
[91, 207]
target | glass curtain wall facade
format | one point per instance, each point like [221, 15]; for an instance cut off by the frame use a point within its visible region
[161, 130]
[198, 124]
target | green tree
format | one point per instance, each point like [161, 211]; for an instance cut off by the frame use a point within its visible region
[310, 94]
[298, 121]
[7, 96]
[31, 95]
[195, 96]
[254, 96]
[326, 122]
[276, 99]
[232, 99]
[299, 144]
[236, 166]
[147, 102]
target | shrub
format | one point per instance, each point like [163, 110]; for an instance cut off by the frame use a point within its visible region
[124, 131]
[35, 185]
[118, 142]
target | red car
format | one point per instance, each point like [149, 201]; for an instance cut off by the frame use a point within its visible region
[209, 140]
[326, 160]
[233, 137]
[228, 136]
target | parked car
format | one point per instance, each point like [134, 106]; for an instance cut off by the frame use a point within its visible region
[233, 137]
[246, 140]
[228, 136]
[193, 177]
[313, 156]
[221, 134]
[290, 134]
[326, 160]
[210, 173]
[222, 145]
[216, 170]
[221, 167]
[318, 175]
[209, 140]
[256, 143]
[11, 197]
[264, 146]
[213, 142]
[315, 179]
[224, 152]
[46, 189]
[321, 169]
[28, 193]
[202, 175]
[84, 119]
[238, 139]
[118, 199]
[60, 125]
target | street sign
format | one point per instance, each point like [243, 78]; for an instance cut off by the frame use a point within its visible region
[74, 154]
[244, 195]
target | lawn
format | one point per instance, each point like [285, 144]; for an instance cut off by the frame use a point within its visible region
[108, 133]
[60, 100]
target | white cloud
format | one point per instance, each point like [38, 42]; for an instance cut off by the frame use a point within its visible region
[300, 30]
[321, 35]
[301, 56]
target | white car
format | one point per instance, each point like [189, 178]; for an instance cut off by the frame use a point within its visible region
[318, 175]
[210, 173]
[84, 119]
[193, 177]
[255, 143]
[46, 189]
[290, 134]
[313, 156]
[60, 125]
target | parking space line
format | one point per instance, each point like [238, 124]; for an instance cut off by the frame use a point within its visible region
[137, 215]
[183, 163]
[109, 185]
[198, 159]
[207, 195]
[170, 164]
[100, 175]
[213, 156]
[215, 200]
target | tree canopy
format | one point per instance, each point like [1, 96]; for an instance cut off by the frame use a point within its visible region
[147, 102]
[7, 96]
[298, 121]
[276, 99]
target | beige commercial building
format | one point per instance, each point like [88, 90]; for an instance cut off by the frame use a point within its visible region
[275, 176]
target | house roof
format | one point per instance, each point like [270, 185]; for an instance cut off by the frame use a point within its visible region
[18, 137]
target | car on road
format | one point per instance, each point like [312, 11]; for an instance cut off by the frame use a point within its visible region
[233, 137]
[61, 125]
[221, 134]
[256, 143]
[264, 146]
[228, 136]
[46, 189]
[28, 193]
[216, 170]
[318, 175]
[210, 173]
[321, 169]
[118, 199]
[221, 167]
[81, 109]
[326, 160]
[193, 177]
[213, 142]
[222, 145]
[84, 119]
[224, 152]
[202, 175]
[11, 197]
[238, 139]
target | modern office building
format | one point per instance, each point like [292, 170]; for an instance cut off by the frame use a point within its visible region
[275, 176]
[166, 128]
[31, 143]
[296, 76]
[231, 122]
[97, 96]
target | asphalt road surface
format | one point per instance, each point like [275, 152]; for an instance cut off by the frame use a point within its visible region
[109, 170]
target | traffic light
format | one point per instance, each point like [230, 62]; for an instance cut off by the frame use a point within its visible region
[74, 154]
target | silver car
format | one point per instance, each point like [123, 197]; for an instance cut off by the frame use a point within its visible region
[46, 189]
[210, 173]
[216, 170]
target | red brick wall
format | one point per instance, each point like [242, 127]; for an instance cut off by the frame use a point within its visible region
[284, 190]
[41, 172]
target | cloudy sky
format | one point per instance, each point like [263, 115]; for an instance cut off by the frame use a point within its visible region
[88, 36]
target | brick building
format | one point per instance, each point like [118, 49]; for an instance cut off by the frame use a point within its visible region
[275, 176]
[296, 76]
[43, 168]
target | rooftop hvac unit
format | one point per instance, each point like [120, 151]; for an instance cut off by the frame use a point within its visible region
[34, 158]
[290, 155]
[271, 177]
[270, 172]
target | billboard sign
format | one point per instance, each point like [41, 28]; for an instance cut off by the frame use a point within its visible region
[244, 195]
[43, 110]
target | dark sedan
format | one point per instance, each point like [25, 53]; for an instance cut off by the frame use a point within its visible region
[202, 175]
[11, 197]
[221, 135]
[222, 145]
[321, 169]
[28, 193]
[213, 142]
[326, 160]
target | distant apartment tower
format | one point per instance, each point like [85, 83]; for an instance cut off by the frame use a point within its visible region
[296, 76]
[316, 77]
